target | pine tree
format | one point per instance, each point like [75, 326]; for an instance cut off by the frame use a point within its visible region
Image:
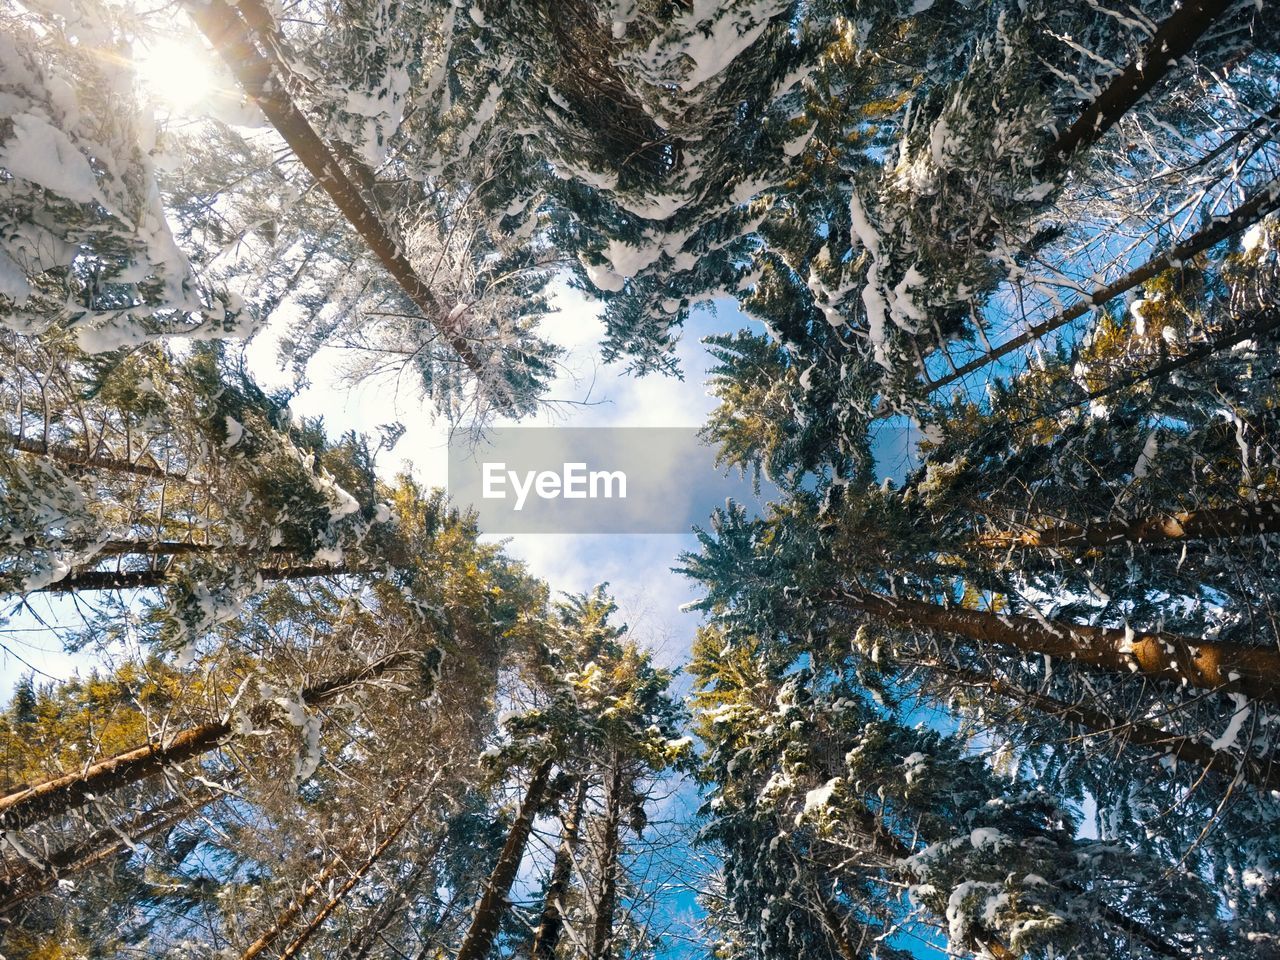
[599, 712]
[806, 754]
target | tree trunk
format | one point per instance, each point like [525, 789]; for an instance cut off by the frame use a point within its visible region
[19, 885]
[289, 914]
[1171, 42]
[1096, 723]
[602, 934]
[835, 926]
[223, 27]
[552, 923]
[493, 905]
[78, 458]
[1260, 324]
[50, 798]
[1220, 228]
[1216, 523]
[91, 580]
[349, 884]
[121, 548]
[1197, 663]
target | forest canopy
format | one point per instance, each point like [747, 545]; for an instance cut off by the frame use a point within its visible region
[1018, 700]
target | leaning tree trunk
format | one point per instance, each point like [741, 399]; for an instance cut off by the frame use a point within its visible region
[1265, 200]
[1203, 664]
[323, 914]
[493, 905]
[92, 580]
[290, 914]
[1094, 722]
[835, 926]
[262, 81]
[75, 457]
[601, 946]
[1260, 323]
[365, 939]
[1215, 523]
[50, 798]
[150, 548]
[1172, 41]
[551, 924]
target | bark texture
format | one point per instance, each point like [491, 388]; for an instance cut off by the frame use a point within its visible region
[1198, 663]
[1172, 41]
[602, 930]
[478, 942]
[151, 579]
[551, 924]
[1215, 523]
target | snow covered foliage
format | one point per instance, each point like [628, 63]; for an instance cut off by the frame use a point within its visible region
[85, 242]
[1019, 700]
[1003, 530]
[150, 470]
[636, 143]
[824, 802]
[46, 517]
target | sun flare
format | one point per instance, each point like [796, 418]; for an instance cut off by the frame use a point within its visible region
[175, 73]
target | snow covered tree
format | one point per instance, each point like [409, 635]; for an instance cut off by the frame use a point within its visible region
[816, 787]
[85, 244]
[598, 715]
[148, 471]
[1102, 499]
[301, 705]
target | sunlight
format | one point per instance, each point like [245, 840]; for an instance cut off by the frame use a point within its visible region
[176, 73]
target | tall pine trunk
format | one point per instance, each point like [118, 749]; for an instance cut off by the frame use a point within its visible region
[91, 580]
[835, 927]
[126, 548]
[601, 946]
[1263, 202]
[50, 798]
[365, 939]
[227, 32]
[289, 915]
[1172, 41]
[323, 914]
[551, 924]
[480, 936]
[72, 456]
[1198, 663]
[1215, 523]
[1161, 743]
